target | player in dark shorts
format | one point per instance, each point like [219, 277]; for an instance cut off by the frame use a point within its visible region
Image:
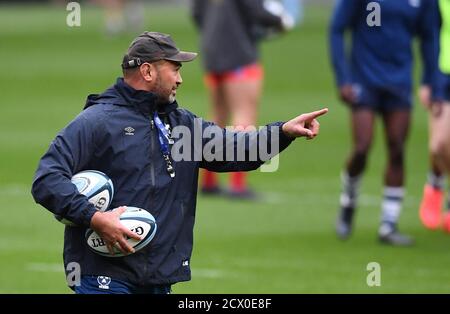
[377, 79]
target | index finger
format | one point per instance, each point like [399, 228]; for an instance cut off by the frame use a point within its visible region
[315, 114]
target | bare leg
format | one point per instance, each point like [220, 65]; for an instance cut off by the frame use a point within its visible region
[396, 125]
[243, 99]
[220, 114]
[362, 126]
[363, 122]
[439, 129]
[396, 131]
[220, 111]
[430, 210]
[440, 160]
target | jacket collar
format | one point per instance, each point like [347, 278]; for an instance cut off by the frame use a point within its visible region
[121, 94]
[144, 101]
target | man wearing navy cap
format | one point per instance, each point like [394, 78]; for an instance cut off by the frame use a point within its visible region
[145, 172]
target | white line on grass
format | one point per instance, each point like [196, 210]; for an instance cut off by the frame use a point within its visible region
[269, 197]
[329, 200]
[14, 189]
[209, 273]
[45, 267]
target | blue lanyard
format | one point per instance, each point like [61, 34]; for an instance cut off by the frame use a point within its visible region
[164, 141]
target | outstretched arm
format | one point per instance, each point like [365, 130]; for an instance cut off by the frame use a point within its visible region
[344, 17]
[230, 151]
[429, 35]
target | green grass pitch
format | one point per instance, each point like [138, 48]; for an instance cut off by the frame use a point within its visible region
[284, 244]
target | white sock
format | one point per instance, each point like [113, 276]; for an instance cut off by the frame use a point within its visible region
[437, 181]
[350, 190]
[391, 208]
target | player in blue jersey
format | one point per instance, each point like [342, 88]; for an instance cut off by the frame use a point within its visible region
[376, 78]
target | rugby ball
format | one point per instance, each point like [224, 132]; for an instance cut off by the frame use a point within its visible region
[96, 186]
[135, 219]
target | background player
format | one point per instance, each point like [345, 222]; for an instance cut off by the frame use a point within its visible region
[377, 80]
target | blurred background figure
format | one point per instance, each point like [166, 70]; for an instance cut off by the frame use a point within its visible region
[430, 211]
[379, 80]
[122, 15]
[230, 31]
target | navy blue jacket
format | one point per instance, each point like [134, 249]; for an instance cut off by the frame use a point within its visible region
[96, 139]
[382, 56]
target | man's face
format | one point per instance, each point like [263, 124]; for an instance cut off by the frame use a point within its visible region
[168, 79]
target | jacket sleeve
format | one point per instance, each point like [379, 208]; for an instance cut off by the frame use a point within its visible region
[344, 16]
[68, 154]
[429, 37]
[225, 150]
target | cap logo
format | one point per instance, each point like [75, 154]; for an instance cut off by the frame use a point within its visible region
[135, 62]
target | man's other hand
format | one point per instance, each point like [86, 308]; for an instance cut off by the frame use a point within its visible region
[110, 229]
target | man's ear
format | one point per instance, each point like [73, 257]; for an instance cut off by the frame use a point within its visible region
[147, 71]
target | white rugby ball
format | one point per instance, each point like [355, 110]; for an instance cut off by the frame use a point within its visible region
[135, 219]
[96, 186]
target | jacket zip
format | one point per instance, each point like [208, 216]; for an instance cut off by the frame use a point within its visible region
[152, 148]
[152, 183]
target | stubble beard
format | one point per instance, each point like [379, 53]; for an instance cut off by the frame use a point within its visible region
[164, 96]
